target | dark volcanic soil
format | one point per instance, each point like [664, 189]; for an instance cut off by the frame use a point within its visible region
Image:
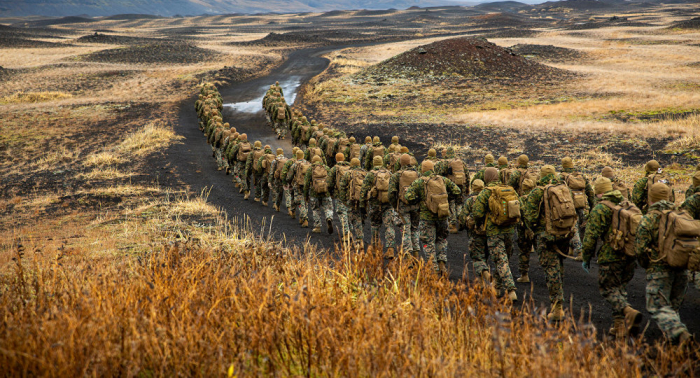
[467, 57]
[160, 52]
[693, 23]
[548, 52]
[116, 39]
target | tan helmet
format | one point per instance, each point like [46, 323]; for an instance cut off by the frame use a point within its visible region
[355, 162]
[477, 186]
[658, 192]
[607, 172]
[227, 125]
[376, 140]
[404, 149]
[567, 163]
[490, 175]
[312, 142]
[405, 160]
[547, 170]
[352, 140]
[502, 160]
[304, 119]
[243, 137]
[488, 159]
[394, 139]
[294, 151]
[280, 151]
[432, 152]
[527, 185]
[391, 148]
[300, 154]
[378, 161]
[523, 160]
[602, 185]
[339, 157]
[652, 166]
[267, 147]
[235, 135]
[368, 139]
[316, 159]
[233, 129]
[426, 166]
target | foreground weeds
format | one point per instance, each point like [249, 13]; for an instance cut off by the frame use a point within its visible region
[249, 307]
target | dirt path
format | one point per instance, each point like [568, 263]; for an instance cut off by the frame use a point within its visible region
[195, 168]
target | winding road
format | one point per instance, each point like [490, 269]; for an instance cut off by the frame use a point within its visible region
[193, 164]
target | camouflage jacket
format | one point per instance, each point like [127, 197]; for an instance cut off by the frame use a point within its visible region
[590, 194]
[308, 182]
[647, 241]
[514, 180]
[250, 164]
[368, 159]
[285, 170]
[345, 186]
[367, 186]
[259, 163]
[233, 151]
[692, 205]
[307, 154]
[532, 217]
[691, 190]
[443, 167]
[416, 194]
[467, 211]
[639, 194]
[480, 175]
[333, 179]
[598, 227]
[363, 152]
[394, 186]
[480, 212]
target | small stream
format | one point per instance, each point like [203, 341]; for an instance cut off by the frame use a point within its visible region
[289, 88]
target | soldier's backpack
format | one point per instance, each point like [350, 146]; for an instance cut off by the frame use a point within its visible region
[357, 178]
[340, 170]
[406, 178]
[622, 188]
[257, 154]
[659, 176]
[393, 159]
[300, 171]
[330, 147]
[377, 151]
[319, 176]
[314, 151]
[244, 151]
[456, 172]
[559, 210]
[381, 185]
[678, 240]
[281, 112]
[526, 174]
[353, 152]
[305, 129]
[504, 175]
[343, 144]
[625, 220]
[436, 198]
[279, 167]
[266, 163]
[577, 183]
[504, 205]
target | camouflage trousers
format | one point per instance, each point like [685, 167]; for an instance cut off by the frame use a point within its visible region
[382, 215]
[258, 183]
[342, 211]
[409, 217]
[525, 247]
[318, 205]
[264, 185]
[696, 279]
[281, 129]
[300, 204]
[478, 252]
[276, 190]
[433, 235]
[239, 173]
[552, 264]
[356, 223]
[220, 161]
[665, 293]
[497, 249]
[455, 210]
[579, 230]
[288, 198]
[612, 282]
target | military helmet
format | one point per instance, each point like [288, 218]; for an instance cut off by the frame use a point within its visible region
[652, 166]
[312, 142]
[546, 170]
[243, 137]
[316, 159]
[339, 157]
[280, 151]
[368, 139]
[394, 139]
[432, 152]
[300, 154]
[523, 160]
[377, 161]
[376, 140]
[405, 160]
[258, 144]
[404, 149]
[488, 159]
[352, 140]
[567, 163]
[355, 162]
[426, 166]
[502, 160]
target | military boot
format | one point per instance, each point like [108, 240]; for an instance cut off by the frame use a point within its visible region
[316, 230]
[633, 320]
[389, 254]
[247, 195]
[557, 313]
[617, 330]
[256, 199]
[264, 203]
[524, 278]
[304, 224]
[240, 190]
[276, 207]
[329, 224]
[228, 171]
[454, 229]
[292, 214]
[685, 340]
[513, 296]
[442, 269]
[486, 277]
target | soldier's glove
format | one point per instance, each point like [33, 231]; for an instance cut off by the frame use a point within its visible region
[586, 265]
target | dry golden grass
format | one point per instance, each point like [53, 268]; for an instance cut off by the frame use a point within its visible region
[17, 98]
[102, 159]
[152, 137]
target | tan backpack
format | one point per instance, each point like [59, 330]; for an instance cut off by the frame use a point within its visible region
[281, 112]
[244, 151]
[330, 147]
[305, 130]
[300, 171]
[319, 176]
[559, 210]
[343, 144]
[659, 176]
[340, 171]
[314, 151]
[353, 151]
[393, 159]
[526, 174]
[625, 220]
[257, 154]
[504, 205]
[357, 178]
[381, 185]
[456, 172]
[406, 178]
[267, 162]
[279, 167]
[377, 151]
[436, 198]
[504, 175]
[622, 188]
[577, 183]
[678, 239]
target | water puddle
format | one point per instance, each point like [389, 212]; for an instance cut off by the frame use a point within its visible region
[289, 88]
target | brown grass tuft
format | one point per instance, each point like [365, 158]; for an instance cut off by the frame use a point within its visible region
[30, 97]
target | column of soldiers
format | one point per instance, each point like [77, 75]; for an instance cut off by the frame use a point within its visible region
[559, 215]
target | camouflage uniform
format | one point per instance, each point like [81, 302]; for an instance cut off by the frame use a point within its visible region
[497, 239]
[582, 213]
[666, 286]
[616, 268]
[354, 214]
[525, 242]
[433, 229]
[299, 202]
[443, 169]
[363, 153]
[478, 246]
[277, 184]
[379, 213]
[546, 245]
[319, 202]
[480, 175]
[239, 168]
[250, 171]
[341, 207]
[368, 156]
[692, 205]
[409, 215]
[264, 180]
